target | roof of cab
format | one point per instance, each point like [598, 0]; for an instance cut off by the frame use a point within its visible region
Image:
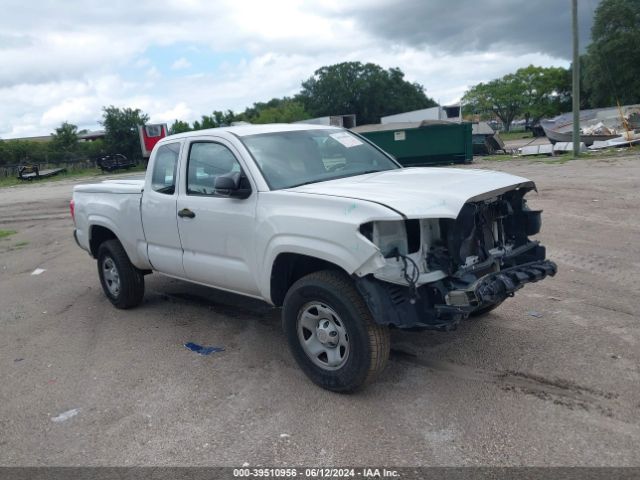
[244, 130]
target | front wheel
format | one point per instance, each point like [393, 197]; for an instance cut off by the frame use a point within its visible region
[486, 309]
[331, 333]
[122, 282]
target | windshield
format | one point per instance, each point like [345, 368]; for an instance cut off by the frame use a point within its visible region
[290, 159]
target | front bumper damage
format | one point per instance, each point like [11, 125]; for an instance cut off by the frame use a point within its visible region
[495, 287]
[438, 271]
[397, 305]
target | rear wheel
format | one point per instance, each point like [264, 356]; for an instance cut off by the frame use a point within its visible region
[331, 333]
[122, 282]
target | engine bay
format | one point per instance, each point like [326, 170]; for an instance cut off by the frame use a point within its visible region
[447, 268]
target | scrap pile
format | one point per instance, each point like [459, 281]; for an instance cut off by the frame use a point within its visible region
[627, 139]
[598, 129]
[596, 125]
[612, 127]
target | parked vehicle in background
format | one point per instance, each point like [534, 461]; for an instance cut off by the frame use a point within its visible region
[323, 223]
[32, 172]
[117, 161]
[151, 134]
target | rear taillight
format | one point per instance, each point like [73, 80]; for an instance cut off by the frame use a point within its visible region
[72, 209]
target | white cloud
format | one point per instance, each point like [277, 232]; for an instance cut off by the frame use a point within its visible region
[66, 63]
[181, 64]
[152, 74]
[177, 112]
[142, 63]
[70, 109]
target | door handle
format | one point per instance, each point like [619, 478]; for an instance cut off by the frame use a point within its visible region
[186, 213]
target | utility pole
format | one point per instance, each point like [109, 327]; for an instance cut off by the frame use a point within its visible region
[576, 80]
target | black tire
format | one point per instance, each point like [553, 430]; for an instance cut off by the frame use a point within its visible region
[130, 280]
[486, 309]
[368, 342]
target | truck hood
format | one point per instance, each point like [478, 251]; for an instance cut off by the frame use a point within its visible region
[426, 192]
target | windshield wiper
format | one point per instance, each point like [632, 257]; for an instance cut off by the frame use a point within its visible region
[307, 183]
[354, 174]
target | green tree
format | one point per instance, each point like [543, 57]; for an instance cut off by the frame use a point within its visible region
[224, 119]
[121, 130]
[284, 111]
[502, 97]
[179, 127]
[215, 120]
[276, 110]
[93, 149]
[547, 92]
[612, 63]
[19, 152]
[206, 121]
[531, 92]
[5, 153]
[367, 90]
[65, 138]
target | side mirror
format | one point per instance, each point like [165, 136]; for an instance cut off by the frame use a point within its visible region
[230, 185]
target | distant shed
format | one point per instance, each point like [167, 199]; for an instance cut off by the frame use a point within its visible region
[346, 121]
[422, 143]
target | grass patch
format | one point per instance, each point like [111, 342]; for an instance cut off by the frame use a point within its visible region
[20, 244]
[611, 153]
[551, 160]
[560, 159]
[497, 158]
[614, 152]
[79, 173]
[515, 135]
[7, 233]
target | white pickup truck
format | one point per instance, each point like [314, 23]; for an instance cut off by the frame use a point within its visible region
[323, 223]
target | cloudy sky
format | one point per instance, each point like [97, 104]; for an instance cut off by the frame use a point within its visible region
[63, 61]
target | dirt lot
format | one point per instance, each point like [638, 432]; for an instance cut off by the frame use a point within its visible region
[550, 378]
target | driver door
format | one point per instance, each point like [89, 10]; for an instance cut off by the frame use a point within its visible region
[217, 232]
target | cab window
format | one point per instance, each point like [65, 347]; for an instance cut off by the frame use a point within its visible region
[207, 161]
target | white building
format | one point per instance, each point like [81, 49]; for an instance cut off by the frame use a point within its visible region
[447, 112]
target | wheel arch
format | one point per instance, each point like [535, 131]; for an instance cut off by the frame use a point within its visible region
[98, 234]
[288, 267]
[102, 228]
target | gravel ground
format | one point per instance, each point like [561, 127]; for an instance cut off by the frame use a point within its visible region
[550, 378]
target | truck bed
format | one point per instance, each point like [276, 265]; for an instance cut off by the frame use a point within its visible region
[114, 205]
[124, 186]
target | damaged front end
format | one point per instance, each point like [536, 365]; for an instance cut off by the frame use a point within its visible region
[438, 271]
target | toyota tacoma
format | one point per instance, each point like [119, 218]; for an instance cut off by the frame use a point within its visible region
[321, 222]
